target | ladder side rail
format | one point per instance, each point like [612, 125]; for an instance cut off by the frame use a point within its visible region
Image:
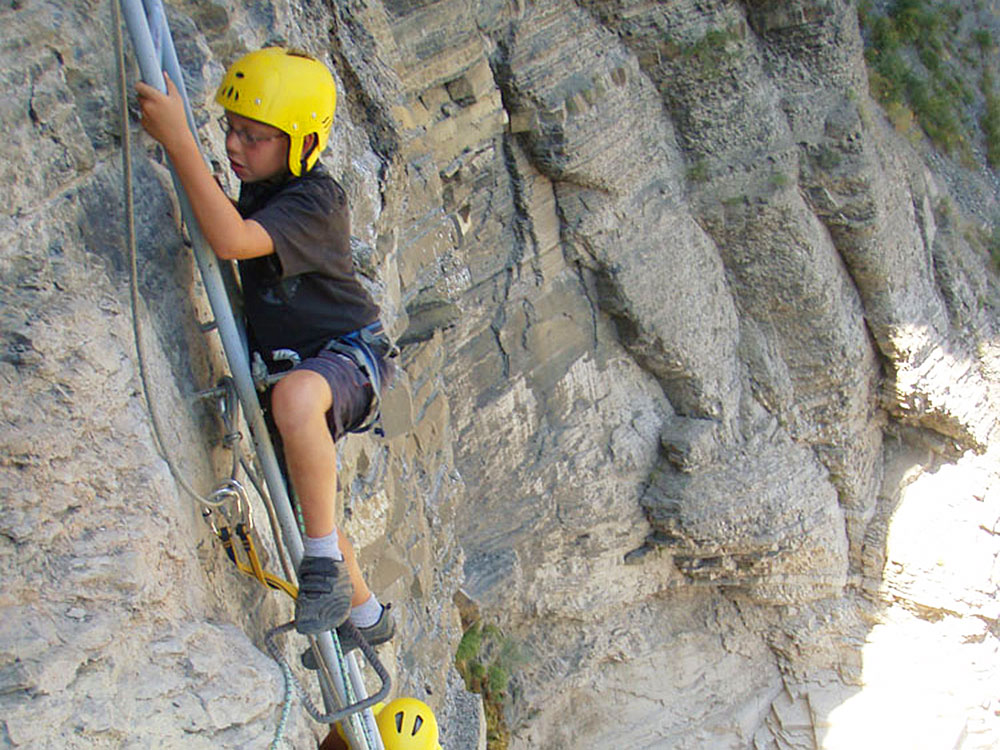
[366, 735]
[373, 737]
[163, 46]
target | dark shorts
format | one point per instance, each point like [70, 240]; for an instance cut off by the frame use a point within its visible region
[352, 394]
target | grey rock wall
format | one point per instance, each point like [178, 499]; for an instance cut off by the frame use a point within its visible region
[680, 314]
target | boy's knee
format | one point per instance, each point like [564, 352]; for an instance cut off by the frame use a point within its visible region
[299, 397]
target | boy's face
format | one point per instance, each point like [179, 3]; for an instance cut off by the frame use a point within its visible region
[256, 151]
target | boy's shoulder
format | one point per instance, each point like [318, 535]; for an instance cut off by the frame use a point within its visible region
[318, 179]
[315, 192]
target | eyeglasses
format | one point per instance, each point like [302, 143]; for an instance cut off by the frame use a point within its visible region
[245, 137]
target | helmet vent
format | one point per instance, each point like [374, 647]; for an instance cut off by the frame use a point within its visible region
[239, 74]
[399, 721]
[417, 723]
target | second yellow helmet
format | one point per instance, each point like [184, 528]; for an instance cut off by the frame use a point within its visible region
[288, 90]
[408, 724]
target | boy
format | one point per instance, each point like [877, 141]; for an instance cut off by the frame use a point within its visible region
[290, 233]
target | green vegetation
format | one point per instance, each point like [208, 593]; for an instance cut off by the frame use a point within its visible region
[990, 123]
[828, 158]
[486, 658]
[982, 237]
[986, 239]
[993, 244]
[709, 52]
[778, 180]
[698, 171]
[914, 56]
[709, 55]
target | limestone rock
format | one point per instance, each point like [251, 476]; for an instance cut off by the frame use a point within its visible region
[683, 323]
[774, 528]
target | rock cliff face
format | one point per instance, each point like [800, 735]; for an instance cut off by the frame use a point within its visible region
[681, 317]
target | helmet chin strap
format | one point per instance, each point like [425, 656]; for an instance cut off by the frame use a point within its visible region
[313, 140]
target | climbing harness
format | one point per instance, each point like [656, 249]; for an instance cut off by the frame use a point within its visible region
[340, 680]
[365, 347]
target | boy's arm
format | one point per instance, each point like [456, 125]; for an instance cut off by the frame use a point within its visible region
[230, 235]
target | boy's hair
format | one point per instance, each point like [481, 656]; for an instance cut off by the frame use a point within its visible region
[287, 89]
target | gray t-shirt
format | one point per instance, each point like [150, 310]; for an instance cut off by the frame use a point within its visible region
[306, 292]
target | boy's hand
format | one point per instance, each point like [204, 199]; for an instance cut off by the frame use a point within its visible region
[163, 115]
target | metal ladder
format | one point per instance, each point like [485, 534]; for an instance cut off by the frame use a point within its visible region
[341, 681]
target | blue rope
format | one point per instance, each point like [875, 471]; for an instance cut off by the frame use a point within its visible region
[286, 708]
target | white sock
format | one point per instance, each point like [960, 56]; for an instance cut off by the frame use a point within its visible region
[323, 546]
[365, 615]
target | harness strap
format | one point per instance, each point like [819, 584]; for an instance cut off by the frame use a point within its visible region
[364, 347]
[253, 569]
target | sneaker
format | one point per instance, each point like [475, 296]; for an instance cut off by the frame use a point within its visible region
[324, 599]
[381, 632]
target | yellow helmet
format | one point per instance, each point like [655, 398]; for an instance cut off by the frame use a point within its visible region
[288, 90]
[408, 724]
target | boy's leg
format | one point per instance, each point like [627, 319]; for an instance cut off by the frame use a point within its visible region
[372, 619]
[305, 414]
[299, 404]
[361, 591]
